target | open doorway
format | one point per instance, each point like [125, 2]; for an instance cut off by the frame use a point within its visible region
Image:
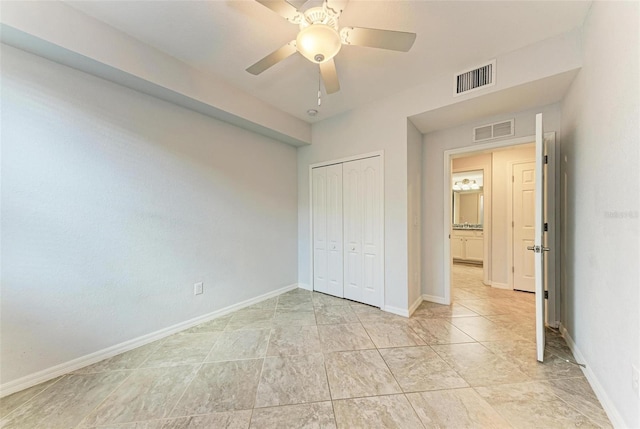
[487, 257]
[492, 288]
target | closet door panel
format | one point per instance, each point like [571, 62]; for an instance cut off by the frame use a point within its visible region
[371, 230]
[335, 272]
[320, 263]
[352, 200]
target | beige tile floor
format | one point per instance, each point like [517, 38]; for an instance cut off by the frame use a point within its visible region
[307, 360]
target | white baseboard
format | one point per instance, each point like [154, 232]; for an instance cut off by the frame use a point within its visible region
[75, 364]
[616, 419]
[500, 285]
[436, 299]
[415, 305]
[305, 286]
[397, 311]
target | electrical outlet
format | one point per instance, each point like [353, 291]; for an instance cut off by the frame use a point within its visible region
[198, 288]
[635, 380]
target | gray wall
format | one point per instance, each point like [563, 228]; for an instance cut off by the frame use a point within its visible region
[414, 211]
[601, 202]
[115, 203]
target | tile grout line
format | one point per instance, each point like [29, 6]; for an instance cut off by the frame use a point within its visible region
[255, 397]
[326, 374]
[4, 418]
[390, 372]
[251, 417]
[201, 365]
[264, 358]
[414, 408]
[567, 404]
[124, 380]
[474, 388]
[153, 351]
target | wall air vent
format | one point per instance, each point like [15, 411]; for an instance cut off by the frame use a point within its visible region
[494, 131]
[474, 79]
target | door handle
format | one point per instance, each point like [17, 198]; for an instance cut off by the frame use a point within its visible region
[538, 249]
[353, 249]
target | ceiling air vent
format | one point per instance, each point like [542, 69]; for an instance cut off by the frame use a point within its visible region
[474, 79]
[494, 131]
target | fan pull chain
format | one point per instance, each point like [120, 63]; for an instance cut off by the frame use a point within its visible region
[319, 91]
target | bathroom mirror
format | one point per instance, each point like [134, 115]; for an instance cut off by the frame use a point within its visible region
[468, 199]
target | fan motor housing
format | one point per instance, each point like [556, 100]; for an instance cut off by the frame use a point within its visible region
[319, 15]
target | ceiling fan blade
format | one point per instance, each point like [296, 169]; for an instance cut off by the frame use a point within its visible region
[273, 58]
[330, 76]
[337, 6]
[282, 8]
[375, 38]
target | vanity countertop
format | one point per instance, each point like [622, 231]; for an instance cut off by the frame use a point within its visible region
[470, 228]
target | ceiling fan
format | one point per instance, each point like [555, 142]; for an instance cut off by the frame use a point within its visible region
[320, 37]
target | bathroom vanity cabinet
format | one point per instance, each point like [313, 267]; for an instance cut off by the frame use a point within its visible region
[467, 245]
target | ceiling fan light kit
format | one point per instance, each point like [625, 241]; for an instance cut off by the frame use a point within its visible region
[318, 43]
[320, 38]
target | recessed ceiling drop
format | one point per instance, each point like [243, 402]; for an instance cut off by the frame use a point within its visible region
[320, 38]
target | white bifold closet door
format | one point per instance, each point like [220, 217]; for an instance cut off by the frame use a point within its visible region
[362, 199]
[347, 230]
[327, 230]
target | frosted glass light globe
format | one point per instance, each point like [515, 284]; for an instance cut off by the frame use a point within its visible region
[318, 43]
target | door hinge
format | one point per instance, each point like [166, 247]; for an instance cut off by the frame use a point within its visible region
[513, 178]
[513, 270]
[546, 159]
[546, 294]
[546, 226]
[513, 224]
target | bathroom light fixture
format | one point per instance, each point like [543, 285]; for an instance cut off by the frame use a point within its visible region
[465, 185]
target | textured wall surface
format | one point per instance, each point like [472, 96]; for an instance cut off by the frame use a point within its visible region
[601, 202]
[115, 203]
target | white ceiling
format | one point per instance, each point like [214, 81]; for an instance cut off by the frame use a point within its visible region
[223, 38]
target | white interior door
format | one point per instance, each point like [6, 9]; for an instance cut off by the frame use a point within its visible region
[362, 195]
[524, 180]
[539, 244]
[334, 231]
[319, 211]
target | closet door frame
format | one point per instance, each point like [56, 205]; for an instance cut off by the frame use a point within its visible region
[382, 209]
